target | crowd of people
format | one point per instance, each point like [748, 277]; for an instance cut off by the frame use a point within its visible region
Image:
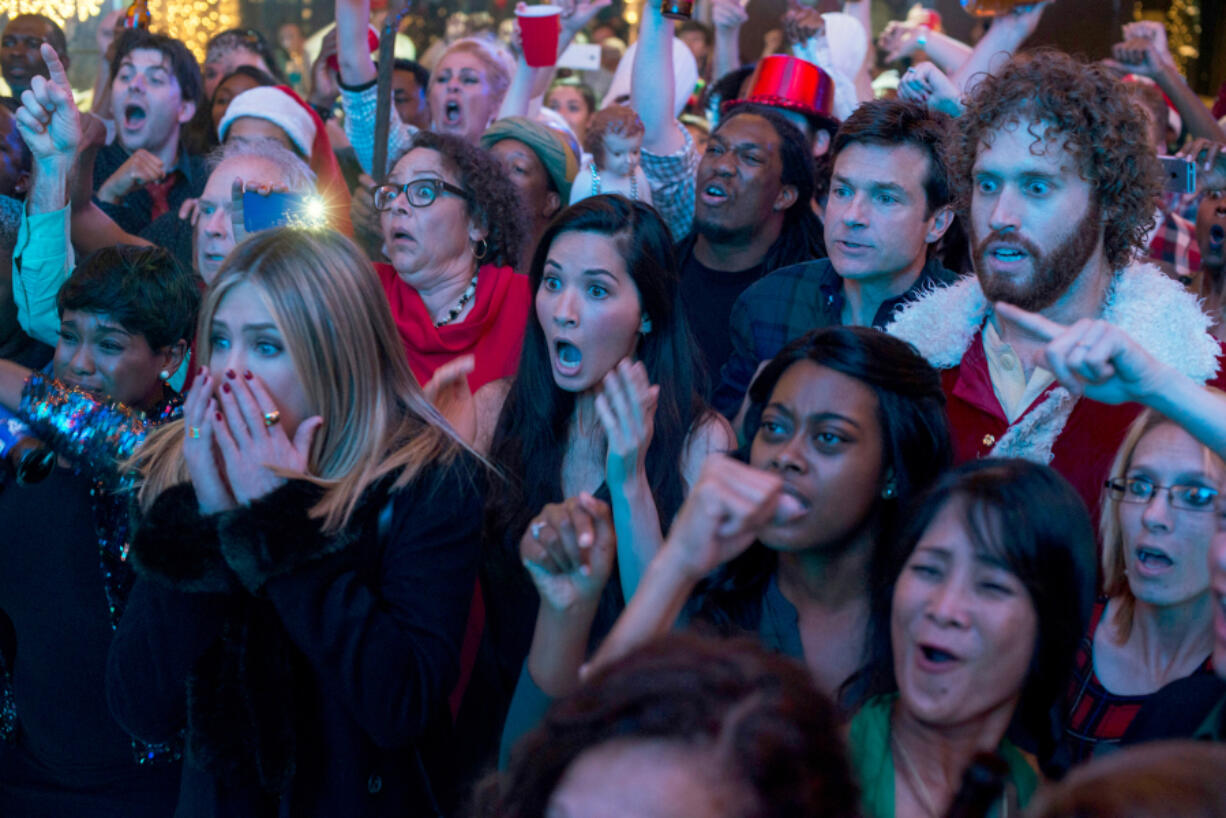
[828, 430]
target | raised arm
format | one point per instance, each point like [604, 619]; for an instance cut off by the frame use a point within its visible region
[728, 17]
[651, 83]
[1002, 40]
[1147, 55]
[353, 55]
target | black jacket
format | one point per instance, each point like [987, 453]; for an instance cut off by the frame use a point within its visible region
[310, 673]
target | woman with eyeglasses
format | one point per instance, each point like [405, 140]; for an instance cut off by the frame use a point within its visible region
[453, 228]
[1154, 623]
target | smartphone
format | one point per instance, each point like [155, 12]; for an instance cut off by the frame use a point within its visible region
[1180, 174]
[262, 211]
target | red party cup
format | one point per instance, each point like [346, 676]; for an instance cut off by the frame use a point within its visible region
[540, 27]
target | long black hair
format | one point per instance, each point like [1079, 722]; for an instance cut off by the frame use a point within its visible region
[530, 439]
[1031, 519]
[915, 449]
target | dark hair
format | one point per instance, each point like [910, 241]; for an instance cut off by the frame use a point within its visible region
[258, 75]
[1058, 96]
[801, 236]
[915, 447]
[1034, 522]
[775, 739]
[415, 68]
[142, 288]
[182, 62]
[585, 91]
[895, 122]
[530, 439]
[493, 201]
[725, 89]
[55, 39]
[248, 39]
[708, 34]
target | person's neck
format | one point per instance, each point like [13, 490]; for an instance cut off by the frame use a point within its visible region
[826, 578]
[584, 421]
[939, 755]
[441, 296]
[863, 297]
[734, 256]
[1084, 298]
[1172, 636]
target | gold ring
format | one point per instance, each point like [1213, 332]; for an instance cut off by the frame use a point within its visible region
[193, 432]
[272, 418]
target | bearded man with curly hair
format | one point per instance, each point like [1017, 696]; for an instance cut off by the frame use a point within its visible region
[1056, 179]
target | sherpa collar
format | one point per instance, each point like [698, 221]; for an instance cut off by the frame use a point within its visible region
[1154, 309]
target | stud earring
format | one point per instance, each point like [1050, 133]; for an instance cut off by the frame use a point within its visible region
[164, 374]
[645, 326]
[890, 491]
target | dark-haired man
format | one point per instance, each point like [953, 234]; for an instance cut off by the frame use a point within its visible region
[889, 203]
[1060, 197]
[739, 211]
[20, 60]
[155, 89]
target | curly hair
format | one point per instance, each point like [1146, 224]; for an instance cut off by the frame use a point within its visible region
[617, 120]
[774, 737]
[493, 201]
[1062, 97]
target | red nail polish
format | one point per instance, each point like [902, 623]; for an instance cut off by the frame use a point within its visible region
[248, 375]
[230, 374]
[218, 415]
[225, 387]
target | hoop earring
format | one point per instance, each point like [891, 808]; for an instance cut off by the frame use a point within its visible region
[481, 249]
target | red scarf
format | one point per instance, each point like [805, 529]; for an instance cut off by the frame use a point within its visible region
[493, 332]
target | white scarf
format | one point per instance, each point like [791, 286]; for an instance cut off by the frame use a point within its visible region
[1155, 310]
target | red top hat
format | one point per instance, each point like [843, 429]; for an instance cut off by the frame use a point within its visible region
[795, 84]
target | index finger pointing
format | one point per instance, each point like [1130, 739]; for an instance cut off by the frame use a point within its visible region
[55, 68]
[1042, 328]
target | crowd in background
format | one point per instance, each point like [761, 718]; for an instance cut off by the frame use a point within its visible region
[829, 430]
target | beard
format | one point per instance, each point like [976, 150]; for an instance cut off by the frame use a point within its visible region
[722, 234]
[1052, 273]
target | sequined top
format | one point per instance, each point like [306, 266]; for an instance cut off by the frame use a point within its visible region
[95, 435]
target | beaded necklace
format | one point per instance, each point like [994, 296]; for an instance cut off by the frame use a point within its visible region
[634, 184]
[459, 308]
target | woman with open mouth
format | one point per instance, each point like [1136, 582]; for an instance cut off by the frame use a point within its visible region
[605, 402]
[975, 626]
[850, 424]
[1154, 624]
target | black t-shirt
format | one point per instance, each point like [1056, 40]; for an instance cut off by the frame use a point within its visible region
[707, 297]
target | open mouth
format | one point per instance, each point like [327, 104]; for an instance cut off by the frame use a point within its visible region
[1007, 254]
[402, 235]
[134, 116]
[1153, 559]
[714, 194]
[846, 244]
[451, 112]
[937, 656]
[569, 357]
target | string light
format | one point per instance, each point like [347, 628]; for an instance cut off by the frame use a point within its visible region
[59, 10]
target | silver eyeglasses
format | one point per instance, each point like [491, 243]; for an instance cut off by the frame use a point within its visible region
[1141, 491]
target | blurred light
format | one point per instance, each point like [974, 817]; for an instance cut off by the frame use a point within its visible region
[59, 10]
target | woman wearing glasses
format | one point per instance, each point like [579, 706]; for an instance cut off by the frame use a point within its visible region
[452, 227]
[1154, 624]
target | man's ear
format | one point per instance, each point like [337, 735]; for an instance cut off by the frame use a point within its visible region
[22, 186]
[187, 110]
[938, 223]
[821, 142]
[553, 203]
[786, 198]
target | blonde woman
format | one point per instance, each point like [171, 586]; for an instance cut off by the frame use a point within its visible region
[307, 551]
[1154, 624]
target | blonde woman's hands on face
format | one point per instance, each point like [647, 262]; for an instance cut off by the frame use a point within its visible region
[253, 449]
[626, 407]
[199, 449]
[568, 550]
[1092, 358]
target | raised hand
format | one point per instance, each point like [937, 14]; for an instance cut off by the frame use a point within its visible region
[725, 511]
[568, 550]
[626, 407]
[899, 39]
[928, 85]
[576, 14]
[199, 451]
[1210, 159]
[802, 23]
[140, 168]
[450, 393]
[254, 446]
[48, 119]
[728, 14]
[1137, 56]
[1155, 32]
[1093, 358]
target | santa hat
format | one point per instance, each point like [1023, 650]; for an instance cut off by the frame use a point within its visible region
[281, 106]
